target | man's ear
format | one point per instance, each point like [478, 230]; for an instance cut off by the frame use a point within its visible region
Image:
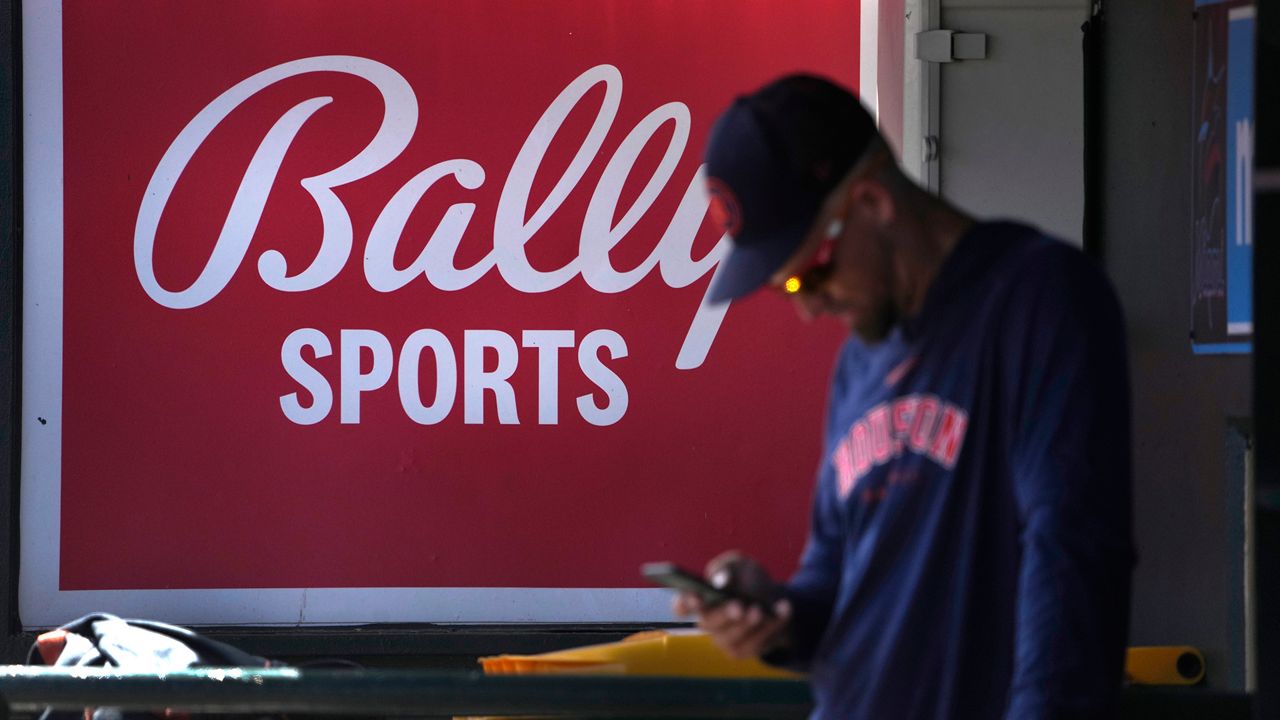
[871, 202]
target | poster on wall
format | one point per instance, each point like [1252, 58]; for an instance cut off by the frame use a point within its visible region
[1222, 194]
[341, 311]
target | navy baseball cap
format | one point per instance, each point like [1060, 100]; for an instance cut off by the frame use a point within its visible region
[771, 160]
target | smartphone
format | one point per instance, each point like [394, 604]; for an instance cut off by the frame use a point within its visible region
[677, 578]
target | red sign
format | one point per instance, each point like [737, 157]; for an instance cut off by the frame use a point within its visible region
[410, 294]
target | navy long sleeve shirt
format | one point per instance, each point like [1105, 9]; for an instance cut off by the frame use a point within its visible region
[970, 548]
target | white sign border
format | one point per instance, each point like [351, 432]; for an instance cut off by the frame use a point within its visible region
[41, 601]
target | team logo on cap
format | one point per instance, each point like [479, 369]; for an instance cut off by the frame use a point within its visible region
[725, 211]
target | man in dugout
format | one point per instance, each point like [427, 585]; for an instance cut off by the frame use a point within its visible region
[970, 544]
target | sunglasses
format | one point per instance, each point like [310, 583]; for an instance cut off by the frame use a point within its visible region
[819, 267]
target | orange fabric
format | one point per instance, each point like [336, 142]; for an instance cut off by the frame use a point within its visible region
[50, 645]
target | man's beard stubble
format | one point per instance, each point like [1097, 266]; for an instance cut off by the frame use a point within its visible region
[877, 325]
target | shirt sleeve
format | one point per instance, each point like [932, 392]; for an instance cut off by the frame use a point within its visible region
[1067, 385]
[812, 589]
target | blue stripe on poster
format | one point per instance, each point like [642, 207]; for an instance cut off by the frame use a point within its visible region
[1242, 348]
[1240, 129]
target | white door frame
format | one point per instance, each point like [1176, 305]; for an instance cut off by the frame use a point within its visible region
[920, 96]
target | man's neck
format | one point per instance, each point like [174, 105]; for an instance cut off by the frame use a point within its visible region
[935, 227]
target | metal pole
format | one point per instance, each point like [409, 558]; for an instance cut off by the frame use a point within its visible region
[400, 692]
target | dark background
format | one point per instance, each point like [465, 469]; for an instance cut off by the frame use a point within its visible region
[1267, 352]
[1188, 585]
[10, 317]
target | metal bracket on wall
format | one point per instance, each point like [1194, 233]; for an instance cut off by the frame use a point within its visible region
[948, 45]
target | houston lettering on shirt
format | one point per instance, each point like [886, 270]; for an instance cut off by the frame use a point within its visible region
[919, 423]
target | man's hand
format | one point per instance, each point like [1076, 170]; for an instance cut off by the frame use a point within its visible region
[742, 630]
